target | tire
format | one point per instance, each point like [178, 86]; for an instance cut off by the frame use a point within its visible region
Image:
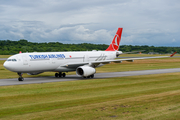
[56, 75]
[21, 79]
[64, 74]
[92, 76]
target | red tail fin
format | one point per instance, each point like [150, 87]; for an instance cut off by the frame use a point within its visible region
[114, 46]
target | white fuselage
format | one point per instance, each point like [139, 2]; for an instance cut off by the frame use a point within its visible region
[55, 61]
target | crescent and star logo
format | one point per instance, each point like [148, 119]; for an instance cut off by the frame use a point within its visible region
[115, 43]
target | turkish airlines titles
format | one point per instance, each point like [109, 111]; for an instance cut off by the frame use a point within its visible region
[47, 56]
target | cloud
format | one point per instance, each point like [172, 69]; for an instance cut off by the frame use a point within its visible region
[149, 22]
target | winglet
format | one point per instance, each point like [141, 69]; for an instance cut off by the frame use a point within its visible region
[114, 46]
[173, 54]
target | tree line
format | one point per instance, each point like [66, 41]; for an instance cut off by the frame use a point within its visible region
[8, 47]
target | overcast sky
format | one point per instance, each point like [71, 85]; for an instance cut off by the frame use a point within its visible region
[144, 22]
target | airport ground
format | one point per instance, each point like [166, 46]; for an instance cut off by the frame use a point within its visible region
[134, 97]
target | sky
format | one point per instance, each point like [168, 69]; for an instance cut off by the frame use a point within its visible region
[144, 22]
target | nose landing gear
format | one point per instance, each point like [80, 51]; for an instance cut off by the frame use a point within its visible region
[20, 77]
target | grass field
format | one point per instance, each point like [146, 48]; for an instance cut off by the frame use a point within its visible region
[147, 97]
[137, 97]
[4, 56]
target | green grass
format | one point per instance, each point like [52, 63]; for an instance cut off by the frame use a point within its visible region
[147, 64]
[5, 56]
[136, 97]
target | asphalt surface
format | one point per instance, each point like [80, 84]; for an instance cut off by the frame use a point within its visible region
[3, 58]
[39, 80]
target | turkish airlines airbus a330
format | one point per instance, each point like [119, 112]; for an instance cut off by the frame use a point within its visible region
[84, 63]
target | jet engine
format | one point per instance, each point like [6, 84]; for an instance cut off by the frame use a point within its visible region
[85, 71]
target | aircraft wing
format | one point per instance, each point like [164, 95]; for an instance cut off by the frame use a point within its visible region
[96, 63]
[132, 59]
[128, 59]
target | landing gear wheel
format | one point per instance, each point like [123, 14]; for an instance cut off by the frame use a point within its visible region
[20, 77]
[60, 74]
[92, 76]
[64, 74]
[56, 75]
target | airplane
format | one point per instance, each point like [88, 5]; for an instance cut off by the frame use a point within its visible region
[83, 62]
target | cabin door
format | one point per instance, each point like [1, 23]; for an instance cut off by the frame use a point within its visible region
[25, 60]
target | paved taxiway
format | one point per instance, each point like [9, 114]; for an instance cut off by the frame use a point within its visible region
[6, 82]
[3, 58]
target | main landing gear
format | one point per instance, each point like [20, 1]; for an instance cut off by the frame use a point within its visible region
[60, 74]
[20, 77]
[91, 76]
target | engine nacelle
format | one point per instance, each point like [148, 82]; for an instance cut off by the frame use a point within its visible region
[85, 71]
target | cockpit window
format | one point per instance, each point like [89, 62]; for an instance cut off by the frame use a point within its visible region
[14, 60]
[9, 59]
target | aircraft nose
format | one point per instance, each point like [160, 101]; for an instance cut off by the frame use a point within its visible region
[7, 65]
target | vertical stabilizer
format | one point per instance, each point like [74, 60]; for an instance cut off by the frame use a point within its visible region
[114, 46]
